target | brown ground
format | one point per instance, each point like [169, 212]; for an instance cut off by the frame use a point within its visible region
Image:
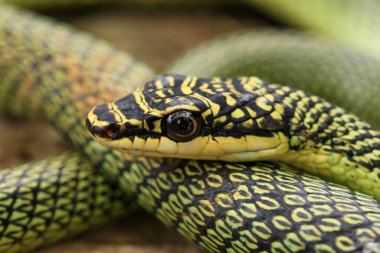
[156, 38]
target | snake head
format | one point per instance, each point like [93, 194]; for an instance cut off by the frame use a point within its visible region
[188, 117]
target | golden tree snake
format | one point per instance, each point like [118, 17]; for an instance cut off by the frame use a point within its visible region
[235, 205]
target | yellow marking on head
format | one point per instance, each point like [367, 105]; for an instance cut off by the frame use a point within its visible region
[251, 112]
[295, 95]
[193, 82]
[280, 92]
[243, 79]
[276, 115]
[229, 99]
[216, 80]
[135, 122]
[158, 84]
[295, 121]
[188, 85]
[262, 103]
[186, 90]
[220, 120]
[169, 110]
[168, 100]
[230, 86]
[171, 92]
[207, 88]
[204, 87]
[209, 91]
[229, 126]
[140, 100]
[247, 124]
[91, 116]
[237, 114]
[213, 107]
[160, 93]
[269, 97]
[251, 83]
[119, 116]
[171, 80]
[156, 126]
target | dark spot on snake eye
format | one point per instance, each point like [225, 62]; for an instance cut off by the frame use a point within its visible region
[182, 126]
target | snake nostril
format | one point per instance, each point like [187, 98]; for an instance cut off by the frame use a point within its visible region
[98, 132]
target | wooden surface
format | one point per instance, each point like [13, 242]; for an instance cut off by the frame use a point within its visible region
[157, 38]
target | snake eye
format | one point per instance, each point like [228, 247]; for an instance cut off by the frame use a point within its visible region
[182, 126]
[112, 131]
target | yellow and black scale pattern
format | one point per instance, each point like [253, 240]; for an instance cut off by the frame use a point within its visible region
[245, 119]
[255, 207]
[46, 201]
[35, 66]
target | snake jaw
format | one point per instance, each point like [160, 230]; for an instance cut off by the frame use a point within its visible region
[244, 149]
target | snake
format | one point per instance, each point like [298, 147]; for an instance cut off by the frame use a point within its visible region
[222, 206]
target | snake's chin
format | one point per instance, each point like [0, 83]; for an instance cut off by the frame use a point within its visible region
[244, 149]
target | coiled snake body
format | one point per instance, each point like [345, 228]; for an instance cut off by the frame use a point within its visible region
[232, 207]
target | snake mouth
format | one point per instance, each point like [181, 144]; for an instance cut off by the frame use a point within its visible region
[261, 155]
[229, 149]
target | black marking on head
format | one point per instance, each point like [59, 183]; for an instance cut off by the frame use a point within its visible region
[103, 113]
[130, 108]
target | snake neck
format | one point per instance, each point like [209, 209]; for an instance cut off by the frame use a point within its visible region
[327, 141]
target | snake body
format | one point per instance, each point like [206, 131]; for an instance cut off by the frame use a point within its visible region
[221, 206]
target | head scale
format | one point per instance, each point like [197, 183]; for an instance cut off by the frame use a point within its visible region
[188, 117]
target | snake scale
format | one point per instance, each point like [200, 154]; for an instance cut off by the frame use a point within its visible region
[221, 206]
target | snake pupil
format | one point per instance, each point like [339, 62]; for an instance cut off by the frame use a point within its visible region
[182, 126]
